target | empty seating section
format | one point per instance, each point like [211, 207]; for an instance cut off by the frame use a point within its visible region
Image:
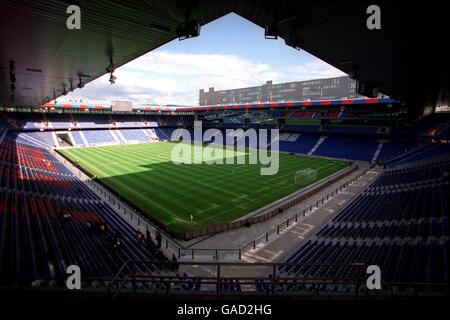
[354, 142]
[174, 121]
[37, 181]
[235, 119]
[40, 137]
[33, 121]
[130, 121]
[332, 146]
[352, 129]
[413, 175]
[347, 148]
[392, 148]
[164, 134]
[429, 124]
[412, 229]
[303, 144]
[401, 262]
[77, 138]
[46, 215]
[99, 137]
[400, 223]
[292, 137]
[39, 240]
[444, 133]
[302, 128]
[426, 201]
[134, 135]
[24, 120]
[423, 153]
[59, 121]
[4, 122]
[91, 121]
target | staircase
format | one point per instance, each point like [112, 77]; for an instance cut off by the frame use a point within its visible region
[55, 139]
[86, 143]
[71, 139]
[120, 136]
[115, 136]
[33, 140]
[147, 134]
[408, 153]
[3, 133]
[377, 152]
[319, 142]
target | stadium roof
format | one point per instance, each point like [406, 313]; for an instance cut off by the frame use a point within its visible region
[280, 105]
[405, 59]
[259, 106]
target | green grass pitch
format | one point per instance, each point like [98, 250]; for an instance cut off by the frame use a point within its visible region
[145, 175]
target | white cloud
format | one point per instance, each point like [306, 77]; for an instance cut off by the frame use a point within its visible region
[315, 69]
[164, 77]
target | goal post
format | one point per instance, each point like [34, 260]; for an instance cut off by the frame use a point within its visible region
[305, 176]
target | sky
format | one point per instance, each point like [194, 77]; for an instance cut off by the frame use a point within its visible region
[231, 52]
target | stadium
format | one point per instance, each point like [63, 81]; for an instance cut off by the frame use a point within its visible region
[361, 162]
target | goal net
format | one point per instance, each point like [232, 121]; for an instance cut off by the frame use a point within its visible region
[305, 176]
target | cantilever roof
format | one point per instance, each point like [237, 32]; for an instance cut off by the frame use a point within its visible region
[405, 59]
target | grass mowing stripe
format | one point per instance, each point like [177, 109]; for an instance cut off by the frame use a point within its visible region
[212, 193]
[126, 187]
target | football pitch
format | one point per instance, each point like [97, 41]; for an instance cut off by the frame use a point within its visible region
[209, 193]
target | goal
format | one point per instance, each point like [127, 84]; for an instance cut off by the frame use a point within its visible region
[305, 176]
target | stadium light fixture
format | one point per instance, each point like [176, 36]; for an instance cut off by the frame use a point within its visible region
[12, 71]
[188, 29]
[349, 67]
[293, 39]
[112, 79]
[110, 68]
[271, 31]
[80, 83]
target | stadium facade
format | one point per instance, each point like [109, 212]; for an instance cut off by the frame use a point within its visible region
[310, 90]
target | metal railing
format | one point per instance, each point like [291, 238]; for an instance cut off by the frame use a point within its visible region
[295, 217]
[272, 281]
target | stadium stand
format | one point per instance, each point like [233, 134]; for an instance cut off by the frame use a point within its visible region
[349, 129]
[421, 152]
[48, 221]
[134, 135]
[99, 137]
[347, 148]
[400, 223]
[77, 138]
[303, 144]
[53, 121]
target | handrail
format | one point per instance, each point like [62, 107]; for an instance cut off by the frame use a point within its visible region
[294, 217]
[217, 277]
